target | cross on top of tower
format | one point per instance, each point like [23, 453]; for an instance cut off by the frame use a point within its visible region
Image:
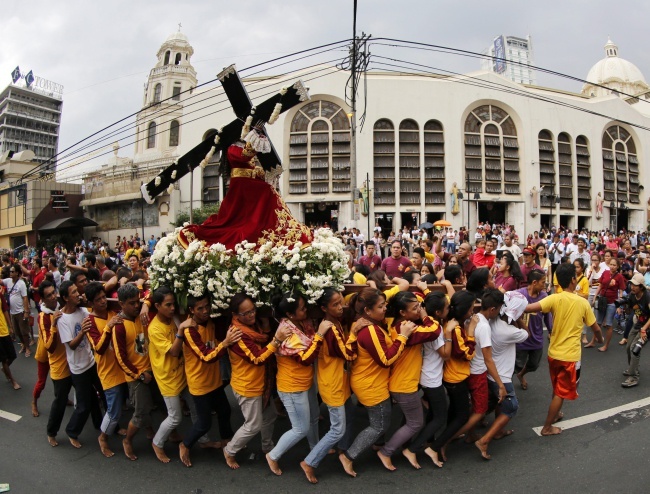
[179, 27]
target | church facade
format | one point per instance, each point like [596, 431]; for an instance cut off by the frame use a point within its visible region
[469, 148]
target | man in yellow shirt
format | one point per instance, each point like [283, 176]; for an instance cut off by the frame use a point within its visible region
[570, 313]
[7, 350]
[168, 365]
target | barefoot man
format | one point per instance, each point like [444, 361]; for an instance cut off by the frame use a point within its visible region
[570, 313]
[132, 355]
[100, 326]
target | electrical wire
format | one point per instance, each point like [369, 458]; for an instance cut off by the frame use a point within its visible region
[49, 161]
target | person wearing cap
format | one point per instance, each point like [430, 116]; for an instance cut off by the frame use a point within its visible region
[638, 301]
[528, 265]
[507, 330]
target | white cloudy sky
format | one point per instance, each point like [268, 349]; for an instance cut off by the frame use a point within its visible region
[101, 52]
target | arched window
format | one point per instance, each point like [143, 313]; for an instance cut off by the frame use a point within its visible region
[583, 171]
[151, 135]
[173, 133]
[546, 167]
[157, 92]
[384, 162]
[409, 162]
[620, 166]
[491, 146]
[319, 149]
[565, 167]
[167, 55]
[177, 60]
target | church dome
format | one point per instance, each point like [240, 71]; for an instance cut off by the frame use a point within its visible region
[177, 37]
[616, 73]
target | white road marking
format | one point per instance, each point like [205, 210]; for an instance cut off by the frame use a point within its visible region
[10, 416]
[595, 417]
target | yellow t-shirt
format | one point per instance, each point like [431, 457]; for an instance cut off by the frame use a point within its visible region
[570, 313]
[169, 371]
[4, 328]
[582, 288]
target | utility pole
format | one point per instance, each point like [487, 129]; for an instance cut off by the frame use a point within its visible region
[353, 117]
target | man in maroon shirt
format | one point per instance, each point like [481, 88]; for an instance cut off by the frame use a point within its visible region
[528, 265]
[463, 256]
[371, 259]
[395, 265]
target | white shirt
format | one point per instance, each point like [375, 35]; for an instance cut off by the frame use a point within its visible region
[432, 363]
[557, 249]
[584, 256]
[451, 237]
[69, 325]
[504, 347]
[16, 305]
[515, 250]
[570, 248]
[57, 278]
[482, 336]
[595, 276]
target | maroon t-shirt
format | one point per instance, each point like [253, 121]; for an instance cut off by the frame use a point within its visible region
[525, 270]
[609, 289]
[395, 268]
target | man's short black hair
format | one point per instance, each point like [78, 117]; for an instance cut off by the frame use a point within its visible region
[564, 274]
[491, 297]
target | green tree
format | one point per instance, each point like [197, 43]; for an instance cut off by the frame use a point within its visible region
[200, 214]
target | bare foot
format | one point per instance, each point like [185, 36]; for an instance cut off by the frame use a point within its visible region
[347, 465]
[470, 438]
[558, 417]
[434, 457]
[551, 431]
[273, 465]
[121, 432]
[209, 445]
[584, 341]
[589, 345]
[412, 458]
[160, 454]
[504, 433]
[128, 449]
[309, 472]
[52, 441]
[75, 443]
[103, 447]
[386, 461]
[522, 381]
[483, 449]
[34, 409]
[603, 348]
[184, 453]
[230, 460]
[28, 353]
[16, 386]
[175, 437]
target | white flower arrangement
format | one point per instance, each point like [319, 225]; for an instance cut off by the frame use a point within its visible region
[261, 272]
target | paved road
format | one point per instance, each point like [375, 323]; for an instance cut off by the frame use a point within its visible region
[609, 455]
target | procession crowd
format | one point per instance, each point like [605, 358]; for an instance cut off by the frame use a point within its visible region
[435, 322]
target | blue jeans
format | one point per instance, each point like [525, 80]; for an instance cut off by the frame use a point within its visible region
[302, 408]
[606, 316]
[451, 247]
[339, 433]
[115, 397]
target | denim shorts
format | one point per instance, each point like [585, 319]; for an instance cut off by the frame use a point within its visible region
[607, 315]
[509, 405]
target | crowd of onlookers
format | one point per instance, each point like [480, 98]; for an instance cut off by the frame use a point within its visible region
[437, 321]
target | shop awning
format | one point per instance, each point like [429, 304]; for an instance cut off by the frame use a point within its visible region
[68, 223]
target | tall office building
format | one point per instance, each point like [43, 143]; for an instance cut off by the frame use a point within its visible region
[513, 58]
[30, 118]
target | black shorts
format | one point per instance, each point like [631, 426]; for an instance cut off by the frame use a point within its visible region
[7, 350]
[528, 358]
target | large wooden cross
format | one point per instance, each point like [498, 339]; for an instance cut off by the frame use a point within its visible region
[242, 106]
